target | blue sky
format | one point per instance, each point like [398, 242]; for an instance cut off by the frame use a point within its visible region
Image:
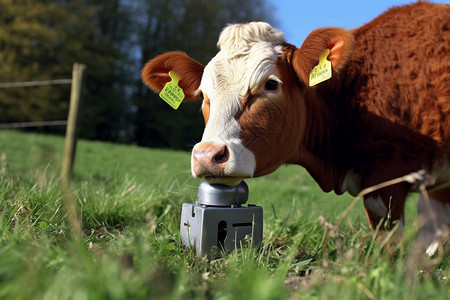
[297, 18]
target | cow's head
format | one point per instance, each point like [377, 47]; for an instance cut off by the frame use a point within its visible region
[254, 92]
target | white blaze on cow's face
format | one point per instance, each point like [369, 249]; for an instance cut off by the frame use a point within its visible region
[245, 63]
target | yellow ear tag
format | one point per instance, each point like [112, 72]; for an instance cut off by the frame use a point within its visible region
[322, 71]
[172, 93]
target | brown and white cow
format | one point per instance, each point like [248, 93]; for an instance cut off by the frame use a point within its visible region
[383, 114]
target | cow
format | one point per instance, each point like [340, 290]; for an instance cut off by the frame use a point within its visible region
[384, 112]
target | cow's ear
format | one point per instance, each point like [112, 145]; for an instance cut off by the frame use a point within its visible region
[155, 73]
[340, 43]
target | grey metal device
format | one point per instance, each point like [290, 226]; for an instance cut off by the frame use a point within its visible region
[219, 221]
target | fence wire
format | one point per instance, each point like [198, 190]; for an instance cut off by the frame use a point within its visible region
[33, 124]
[35, 83]
[29, 84]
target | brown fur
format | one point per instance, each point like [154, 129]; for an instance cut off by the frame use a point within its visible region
[407, 65]
[385, 112]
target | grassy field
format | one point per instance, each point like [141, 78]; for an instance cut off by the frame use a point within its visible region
[130, 200]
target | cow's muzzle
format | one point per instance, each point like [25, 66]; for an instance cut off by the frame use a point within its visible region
[209, 160]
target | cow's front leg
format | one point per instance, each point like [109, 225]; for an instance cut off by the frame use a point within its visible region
[385, 209]
[433, 214]
[387, 206]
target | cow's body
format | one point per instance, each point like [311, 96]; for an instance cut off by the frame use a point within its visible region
[383, 114]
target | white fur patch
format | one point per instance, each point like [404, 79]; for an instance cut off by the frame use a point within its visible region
[248, 54]
[351, 183]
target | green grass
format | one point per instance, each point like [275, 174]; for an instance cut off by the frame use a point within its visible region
[130, 200]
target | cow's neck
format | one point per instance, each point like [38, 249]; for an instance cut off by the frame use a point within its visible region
[320, 149]
[343, 137]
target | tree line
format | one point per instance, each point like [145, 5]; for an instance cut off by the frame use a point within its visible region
[41, 39]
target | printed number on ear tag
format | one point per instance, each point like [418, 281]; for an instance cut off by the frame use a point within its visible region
[322, 71]
[172, 93]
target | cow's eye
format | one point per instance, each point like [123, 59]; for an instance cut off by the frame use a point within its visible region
[201, 95]
[271, 85]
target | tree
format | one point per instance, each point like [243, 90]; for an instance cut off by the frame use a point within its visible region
[40, 40]
[192, 26]
[29, 47]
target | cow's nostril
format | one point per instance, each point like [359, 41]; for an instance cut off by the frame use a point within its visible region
[221, 156]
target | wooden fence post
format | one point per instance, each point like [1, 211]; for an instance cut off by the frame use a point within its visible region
[76, 96]
[70, 145]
